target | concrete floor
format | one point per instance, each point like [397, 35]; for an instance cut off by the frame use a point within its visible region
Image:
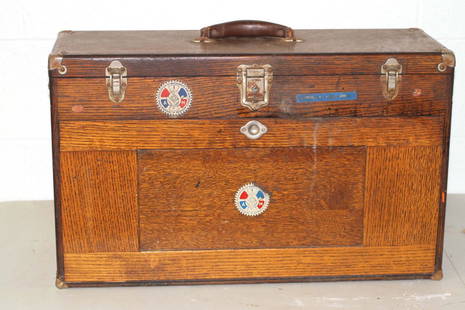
[27, 270]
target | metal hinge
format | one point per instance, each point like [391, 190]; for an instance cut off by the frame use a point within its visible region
[254, 83]
[390, 78]
[116, 81]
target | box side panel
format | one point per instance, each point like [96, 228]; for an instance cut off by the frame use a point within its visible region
[56, 177]
[444, 173]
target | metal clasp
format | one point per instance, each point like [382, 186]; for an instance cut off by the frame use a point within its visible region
[254, 82]
[391, 71]
[116, 80]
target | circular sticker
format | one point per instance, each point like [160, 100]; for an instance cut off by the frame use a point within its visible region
[251, 200]
[174, 98]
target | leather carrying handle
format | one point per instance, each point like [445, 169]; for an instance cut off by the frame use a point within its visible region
[246, 28]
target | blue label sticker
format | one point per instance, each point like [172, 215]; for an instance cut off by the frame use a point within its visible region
[314, 97]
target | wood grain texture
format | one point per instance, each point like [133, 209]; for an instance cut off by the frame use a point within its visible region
[219, 97]
[186, 198]
[99, 202]
[237, 264]
[312, 160]
[181, 134]
[226, 65]
[402, 195]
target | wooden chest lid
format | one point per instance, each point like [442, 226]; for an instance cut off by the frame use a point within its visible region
[218, 49]
[172, 42]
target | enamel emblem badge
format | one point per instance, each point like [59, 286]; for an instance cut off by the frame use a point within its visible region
[251, 200]
[174, 98]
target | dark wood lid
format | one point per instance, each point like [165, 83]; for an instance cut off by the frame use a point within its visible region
[174, 53]
[347, 41]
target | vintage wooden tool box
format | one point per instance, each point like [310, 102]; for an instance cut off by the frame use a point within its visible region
[249, 152]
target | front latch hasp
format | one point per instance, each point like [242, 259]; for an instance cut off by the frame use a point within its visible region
[390, 78]
[254, 83]
[116, 80]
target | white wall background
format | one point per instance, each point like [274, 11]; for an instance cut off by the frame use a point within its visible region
[28, 30]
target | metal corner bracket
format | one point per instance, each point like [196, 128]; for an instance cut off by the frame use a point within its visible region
[55, 62]
[59, 283]
[448, 60]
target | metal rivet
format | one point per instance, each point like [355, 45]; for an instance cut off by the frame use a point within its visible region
[62, 70]
[442, 67]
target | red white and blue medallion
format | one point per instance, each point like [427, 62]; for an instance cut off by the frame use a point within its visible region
[251, 200]
[174, 98]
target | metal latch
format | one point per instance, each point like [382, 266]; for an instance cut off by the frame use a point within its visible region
[254, 83]
[116, 81]
[390, 78]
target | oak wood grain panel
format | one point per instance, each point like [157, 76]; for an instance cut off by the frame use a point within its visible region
[402, 195]
[99, 202]
[226, 65]
[180, 134]
[237, 264]
[87, 98]
[186, 197]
